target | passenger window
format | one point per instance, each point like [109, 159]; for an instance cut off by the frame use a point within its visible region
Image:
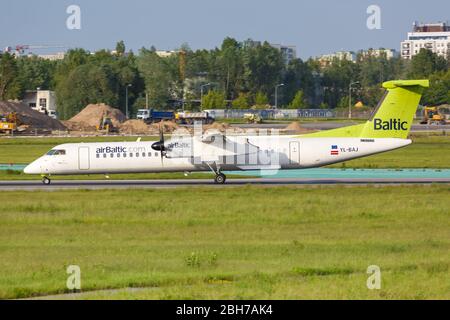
[112, 155]
[98, 155]
[143, 154]
[131, 155]
[149, 154]
[124, 155]
[118, 155]
[137, 154]
[156, 154]
[104, 155]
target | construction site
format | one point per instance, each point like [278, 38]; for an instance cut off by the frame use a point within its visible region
[18, 119]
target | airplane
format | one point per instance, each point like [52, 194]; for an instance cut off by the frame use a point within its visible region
[386, 130]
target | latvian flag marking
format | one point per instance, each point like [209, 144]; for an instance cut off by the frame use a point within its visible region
[334, 151]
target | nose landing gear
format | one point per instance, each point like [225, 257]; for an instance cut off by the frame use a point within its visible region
[46, 180]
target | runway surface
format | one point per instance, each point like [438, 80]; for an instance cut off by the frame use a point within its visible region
[161, 184]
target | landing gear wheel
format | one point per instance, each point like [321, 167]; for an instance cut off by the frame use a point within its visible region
[46, 180]
[220, 178]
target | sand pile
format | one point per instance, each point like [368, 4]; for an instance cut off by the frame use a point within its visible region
[78, 126]
[90, 117]
[136, 127]
[295, 127]
[222, 127]
[167, 126]
[34, 119]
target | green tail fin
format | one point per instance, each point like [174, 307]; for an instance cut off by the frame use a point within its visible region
[392, 118]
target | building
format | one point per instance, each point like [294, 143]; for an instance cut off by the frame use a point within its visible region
[377, 53]
[249, 43]
[53, 57]
[328, 59]
[165, 53]
[289, 52]
[434, 37]
[43, 101]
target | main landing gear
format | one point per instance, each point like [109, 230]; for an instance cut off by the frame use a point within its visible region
[46, 180]
[220, 177]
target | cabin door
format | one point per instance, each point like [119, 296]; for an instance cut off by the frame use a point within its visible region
[294, 152]
[83, 158]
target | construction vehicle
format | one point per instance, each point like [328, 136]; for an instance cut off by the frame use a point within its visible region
[106, 125]
[192, 117]
[433, 115]
[10, 124]
[151, 116]
[253, 118]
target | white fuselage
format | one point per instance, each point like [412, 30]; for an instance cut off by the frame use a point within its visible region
[189, 155]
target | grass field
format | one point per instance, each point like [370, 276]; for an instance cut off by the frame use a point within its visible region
[239, 243]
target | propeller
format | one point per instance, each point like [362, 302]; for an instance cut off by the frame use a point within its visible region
[159, 145]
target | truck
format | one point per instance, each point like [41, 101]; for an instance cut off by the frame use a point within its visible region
[192, 117]
[151, 115]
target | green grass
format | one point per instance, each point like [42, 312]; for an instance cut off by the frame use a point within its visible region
[236, 243]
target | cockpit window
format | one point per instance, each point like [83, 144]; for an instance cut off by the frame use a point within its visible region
[54, 152]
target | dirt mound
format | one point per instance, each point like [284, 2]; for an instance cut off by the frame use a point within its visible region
[222, 127]
[30, 117]
[136, 127]
[167, 126]
[295, 127]
[78, 126]
[91, 116]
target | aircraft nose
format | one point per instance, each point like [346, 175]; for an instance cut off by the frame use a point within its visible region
[32, 168]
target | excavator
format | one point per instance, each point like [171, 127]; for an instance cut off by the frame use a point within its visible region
[253, 118]
[10, 123]
[434, 115]
[106, 125]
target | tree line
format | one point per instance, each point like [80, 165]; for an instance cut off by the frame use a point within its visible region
[237, 75]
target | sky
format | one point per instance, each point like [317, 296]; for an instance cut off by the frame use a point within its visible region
[315, 27]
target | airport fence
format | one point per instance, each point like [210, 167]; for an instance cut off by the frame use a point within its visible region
[287, 113]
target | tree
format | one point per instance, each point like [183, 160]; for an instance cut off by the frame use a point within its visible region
[231, 66]
[264, 66]
[34, 72]
[86, 84]
[9, 85]
[120, 48]
[336, 79]
[214, 100]
[241, 102]
[439, 90]
[158, 77]
[299, 75]
[82, 78]
[261, 100]
[426, 63]
[299, 101]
